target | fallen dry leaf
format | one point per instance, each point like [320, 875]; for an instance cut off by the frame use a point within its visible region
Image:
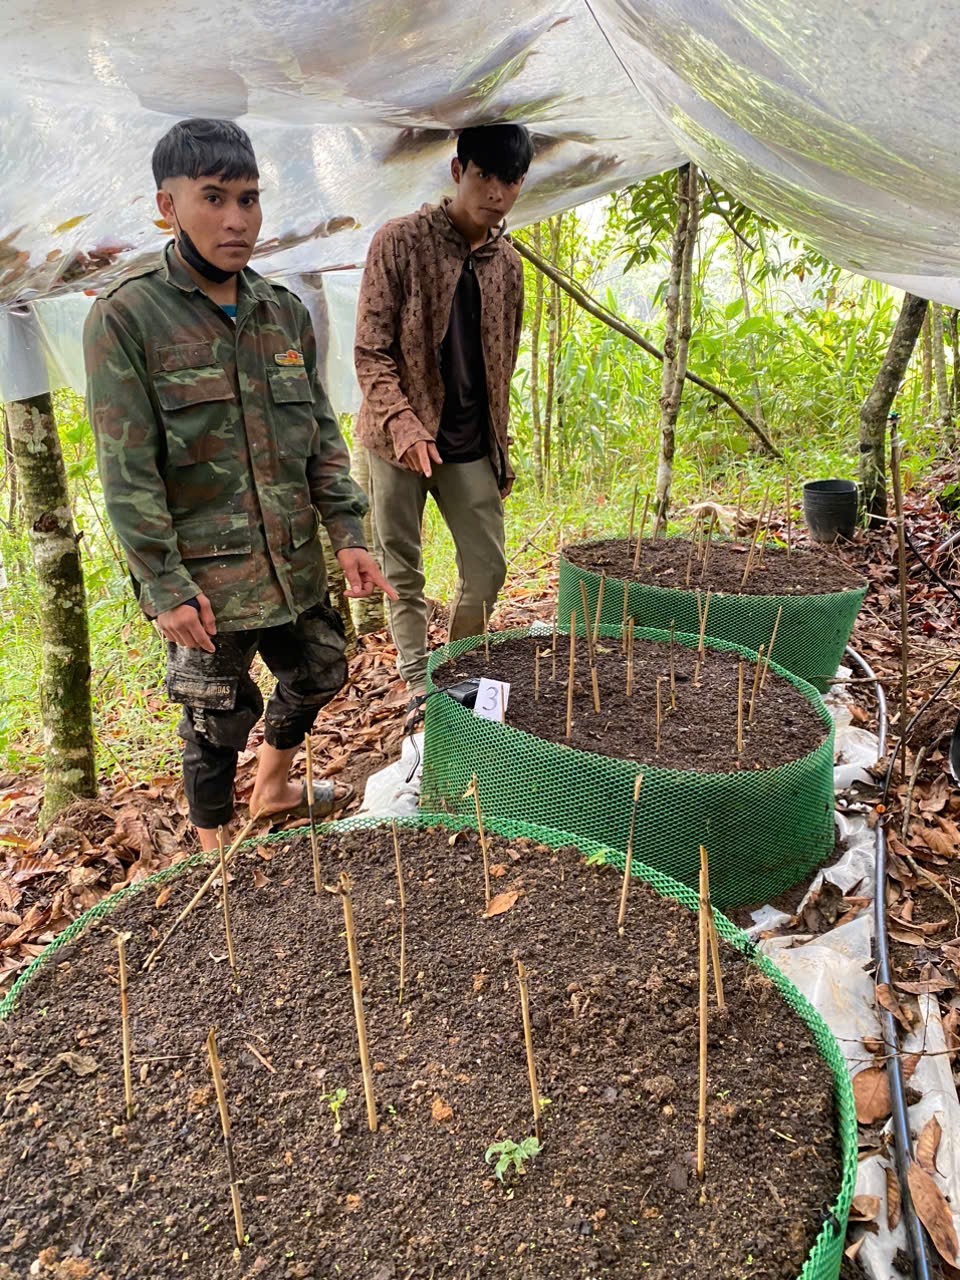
[927, 1145]
[871, 1095]
[888, 1000]
[893, 1197]
[498, 870]
[164, 895]
[937, 841]
[80, 1064]
[864, 1208]
[502, 902]
[933, 1211]
[852, 1250]
[259, 879]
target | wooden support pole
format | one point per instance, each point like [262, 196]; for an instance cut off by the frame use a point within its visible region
[630, 630]
[628, 860]
[756, 685]
[227, 1141]
[693, 545]
[753, 541]
[573, 650]
[314, 851]
[536, 670]
[528, 1041]
[712, 924]
[673, 669]
[701, 650]
[706, 551]
[553, 651]
[773, 637]
[786, 484]
[704, 1032]
[125, 1027]
[659, 715]
[225, 893]
[344, 886]
[587, 621]
[643, 525]
[403, 910]
[633, 512]
[474, 790]
[736, 523]
[596, 616]
[623, 620]
[739, 710]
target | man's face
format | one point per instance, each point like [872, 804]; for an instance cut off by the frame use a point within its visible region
[484, 197]
[222, 218]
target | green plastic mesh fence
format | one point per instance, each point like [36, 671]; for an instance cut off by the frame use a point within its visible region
[825, 1258]
[811, 637]
[764, 829]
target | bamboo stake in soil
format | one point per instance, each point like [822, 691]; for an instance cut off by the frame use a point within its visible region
[623, 620]
[659, 715]
[706, 551]
[553, 651]
[704, 1029]
[643, 525]
[786, 485]
[344, 885]
[536, 672]
[201, 892]
[701, 651]
[231, 955]
[591, 651]
[895, 451]
[630, 630]
[736, 523]
[739, 710]
[628, 860]
[227, 1141]
[474, 790]
[528, 1041]
[773, 637]
[633, 512]
[756, 685]
[673, 670]
[573, 650]
[712, 923]
[693, 544]
[403, 910]
[486, 633]
[314, 853]
[753, 541]
[596, 616]
[125, 1026]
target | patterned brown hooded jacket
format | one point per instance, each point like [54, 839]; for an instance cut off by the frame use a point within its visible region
[413, 267]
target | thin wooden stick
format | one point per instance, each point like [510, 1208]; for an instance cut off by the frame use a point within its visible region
[709, 544]
[630, 630]
[643, 525]
[628, 860]
[763, 543]
[125, 1026]
[736, 523]
[536, 671]
[587, 621]
[633, 512]
[704, 1030]
[673, 670]
[553, 651]
[756, 685]
[314, 852]
[712, 924]
[753, 541]
[596, 616]
[199, 895]
[528, 1041]
[403, 910]
[486, 632]
[344, 885]
[227, 1141]
[225, 892]
[786, 482]
[693, 544]
[766, 665]
[659, 715]
[623, 620]
[740, 708]
[474, 790]
[701, 651]
[573, 650]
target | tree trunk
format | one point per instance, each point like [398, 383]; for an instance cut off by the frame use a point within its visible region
[940, 372]
[368, 614]
[677, 335]
[69, 771]
[535, 369]
[926, 365]
[876, 407]
[751, 345]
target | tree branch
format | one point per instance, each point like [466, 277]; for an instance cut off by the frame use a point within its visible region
[597, 309]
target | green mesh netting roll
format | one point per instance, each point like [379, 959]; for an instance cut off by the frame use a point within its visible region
[824, 1259]
[812, 635]
[764, 829]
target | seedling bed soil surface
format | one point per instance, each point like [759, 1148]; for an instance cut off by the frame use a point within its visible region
[615, 1035]
[663, 563]
[701, 734]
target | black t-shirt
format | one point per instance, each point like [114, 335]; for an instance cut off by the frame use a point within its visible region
[464, 434]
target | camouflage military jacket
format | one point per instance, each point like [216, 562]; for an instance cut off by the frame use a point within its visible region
[217, 446]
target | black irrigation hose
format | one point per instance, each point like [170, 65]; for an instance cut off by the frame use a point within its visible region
[903, 1146]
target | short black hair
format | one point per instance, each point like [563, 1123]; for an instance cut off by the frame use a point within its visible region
[504, 150]
[198, 148]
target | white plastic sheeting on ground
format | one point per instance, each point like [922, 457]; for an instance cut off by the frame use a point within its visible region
[837, 120]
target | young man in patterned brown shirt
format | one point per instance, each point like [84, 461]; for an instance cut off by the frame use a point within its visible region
[438, 330]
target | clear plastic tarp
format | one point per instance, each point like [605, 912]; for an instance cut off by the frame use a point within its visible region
[837, 120]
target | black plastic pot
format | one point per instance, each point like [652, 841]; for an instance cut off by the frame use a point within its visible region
[830, 509]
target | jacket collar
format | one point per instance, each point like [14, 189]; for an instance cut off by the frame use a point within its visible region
[249, 281]
[441, 221]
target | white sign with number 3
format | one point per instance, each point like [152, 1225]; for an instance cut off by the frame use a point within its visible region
[492, 699]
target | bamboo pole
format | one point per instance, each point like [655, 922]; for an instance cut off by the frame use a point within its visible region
[630, 658]
[659, 715]
[623, 620]
[486, 633]
[736, 523]
[199, 895]
[706, 552]
[704, 1030]
[756, 685]
[553, 651]
[596, 616]
[573, 650]
[403, 910]
[643, 525]
[712, 926]
[536, 671]
[225, 1129]
[474, 790]
[628, 860]
[701, 651]
[587, 621]
[673, 669]
[763, 543]
[753, 541]
[739, 710]
[125, 1027]
[314, 852]
[633, 512]
[773, 637]
[693, 544]
[344, 885]
[528, 1041]
[224, 889]
[895, 454]
[786, 483]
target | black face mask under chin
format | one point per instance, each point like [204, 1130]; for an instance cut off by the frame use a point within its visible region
[194, 258]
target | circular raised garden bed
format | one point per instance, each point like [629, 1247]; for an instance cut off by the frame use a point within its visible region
[614, 1033]
[765, 815]
[819, 595]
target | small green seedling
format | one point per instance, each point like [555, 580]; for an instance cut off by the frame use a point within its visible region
[335, 1101]
[512, 1155]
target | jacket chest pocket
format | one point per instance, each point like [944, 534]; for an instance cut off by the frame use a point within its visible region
[196, 400]
[291, 400]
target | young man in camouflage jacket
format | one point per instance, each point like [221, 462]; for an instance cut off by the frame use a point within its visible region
[218, 451]
[438, 330]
